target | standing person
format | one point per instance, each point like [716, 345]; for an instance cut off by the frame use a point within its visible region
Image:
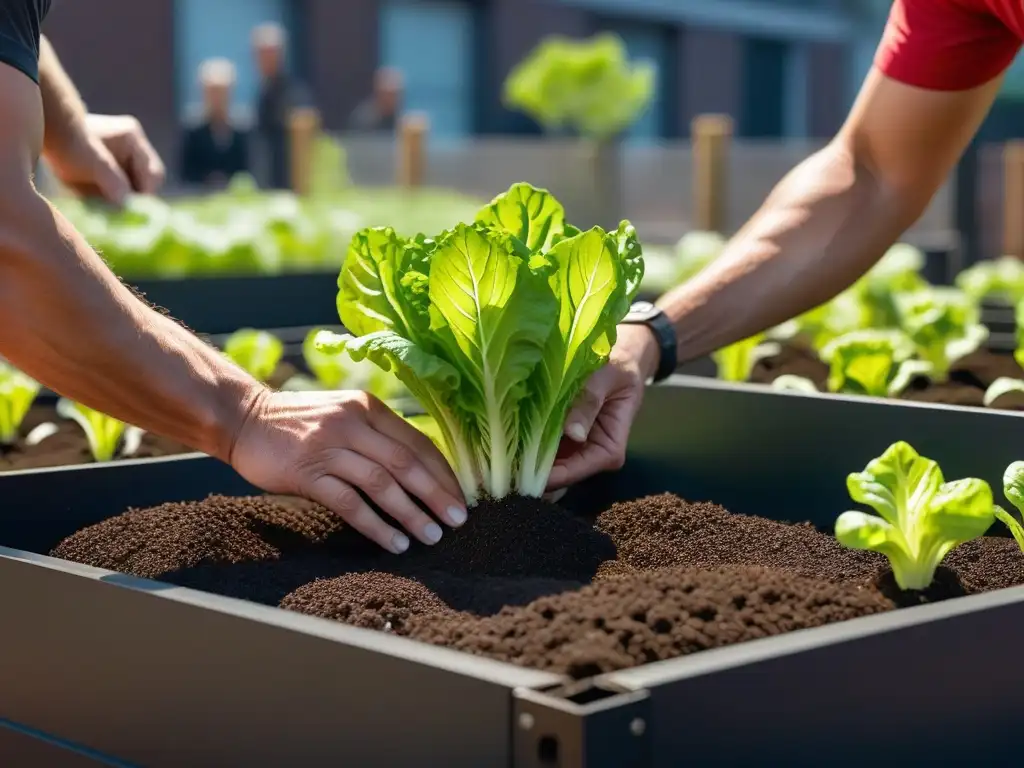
[216, 149]
[379, 113]
[279, 94]
[68, 322]
[936, 74]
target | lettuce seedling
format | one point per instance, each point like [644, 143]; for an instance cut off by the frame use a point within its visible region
[1013, 489]
[1001, 278]
[335, 369]
[493, 326]
[257, 352]
[17, 393]
[106, 435]
[736, 362]
[944, 325]
[897, 273]
[876, 363]
[818, 326]
[920, 519]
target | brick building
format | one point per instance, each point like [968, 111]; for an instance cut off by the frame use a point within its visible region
[781, 67]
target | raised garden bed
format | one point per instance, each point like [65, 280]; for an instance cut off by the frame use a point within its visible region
[969, 377]
[163, 663]
[220, 305]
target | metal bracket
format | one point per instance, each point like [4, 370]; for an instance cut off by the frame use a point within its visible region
[584, 725]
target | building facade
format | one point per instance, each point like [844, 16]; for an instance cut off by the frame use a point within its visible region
[782, 68]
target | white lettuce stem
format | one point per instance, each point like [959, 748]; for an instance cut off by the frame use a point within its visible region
[498, 480]
[460, 456]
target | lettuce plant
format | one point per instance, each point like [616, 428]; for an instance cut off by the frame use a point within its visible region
[920, 517]
[257, 352]
[17, 393]
[1001, 278]
[1013, 489]
[107, 436]
[335, 369]
[872, 362]
[493, 326]
[736, 362]
[897, 273]
[944, 325]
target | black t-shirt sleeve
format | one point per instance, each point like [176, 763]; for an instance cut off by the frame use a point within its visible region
[20, 23]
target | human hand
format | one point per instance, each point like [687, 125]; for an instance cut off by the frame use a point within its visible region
[597, 428]
[108, 156]
[327, 446]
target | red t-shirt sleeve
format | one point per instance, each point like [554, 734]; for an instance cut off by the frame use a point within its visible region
[944, 45]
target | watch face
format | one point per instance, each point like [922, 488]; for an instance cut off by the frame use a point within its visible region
[641, 306]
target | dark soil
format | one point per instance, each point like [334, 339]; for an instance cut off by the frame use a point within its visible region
[69, 445]
[968, 378]
[528, 582]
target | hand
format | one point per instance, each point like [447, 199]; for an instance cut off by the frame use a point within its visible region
[598, 426]
[108, 156]
[327, 446]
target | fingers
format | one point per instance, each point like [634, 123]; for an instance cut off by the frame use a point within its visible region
[144, 165]
[342, 499]
[109, 179]
[387, 422]
[408, 465]
[605, 448]
[585, 411]
[381, 486]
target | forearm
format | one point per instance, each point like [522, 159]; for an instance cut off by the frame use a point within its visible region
[823, 226]
[67, 321]
[64, 110]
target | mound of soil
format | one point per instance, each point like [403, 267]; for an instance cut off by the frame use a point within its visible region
[69, 445]
[528, 582]
[651, 616]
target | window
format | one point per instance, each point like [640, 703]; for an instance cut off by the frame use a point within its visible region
[653, 44]
[431, 42]
[208, 28]
[774, 89]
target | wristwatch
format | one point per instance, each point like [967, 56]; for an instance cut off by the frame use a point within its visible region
[645, 313]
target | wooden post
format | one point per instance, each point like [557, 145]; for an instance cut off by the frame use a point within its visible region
[711, 135]
[1013, 199]
[412, 149]
[304, 126]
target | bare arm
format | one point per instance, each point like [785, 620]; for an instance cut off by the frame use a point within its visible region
[821, 228]
[62, 104]
[832, 217]
[66, 320]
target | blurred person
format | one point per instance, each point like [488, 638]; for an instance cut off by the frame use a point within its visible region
[279, 94]
[935, 76]
[380, 112]
[67, 321]
[216, 149]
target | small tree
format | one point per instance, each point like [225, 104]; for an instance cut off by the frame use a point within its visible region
[586, 87]
[589, 89]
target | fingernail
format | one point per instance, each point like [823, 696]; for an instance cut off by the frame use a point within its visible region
[576, 432]
[399, 543]
[432, 533]
[457, 515]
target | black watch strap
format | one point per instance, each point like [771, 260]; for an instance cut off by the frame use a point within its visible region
[645, 313]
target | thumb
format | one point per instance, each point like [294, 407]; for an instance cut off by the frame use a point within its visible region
[585, 411]
[109, 178]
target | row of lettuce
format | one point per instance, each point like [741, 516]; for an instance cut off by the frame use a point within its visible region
[890, 327]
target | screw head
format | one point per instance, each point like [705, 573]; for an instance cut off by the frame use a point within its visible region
[637, 726]
[526, 721]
